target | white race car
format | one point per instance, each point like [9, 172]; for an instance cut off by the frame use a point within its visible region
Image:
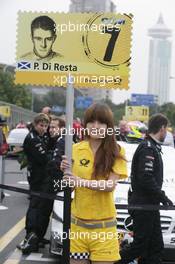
[124, 221]
[15, 140]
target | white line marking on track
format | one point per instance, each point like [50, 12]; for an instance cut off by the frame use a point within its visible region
[11, 234]
[7, 194]
[14, 258]
[3, 207]
[38, 257]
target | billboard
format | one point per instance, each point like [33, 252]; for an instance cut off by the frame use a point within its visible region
[140, 113]
[143, 99]
[5, 111]
[94, 48]
[82, 102]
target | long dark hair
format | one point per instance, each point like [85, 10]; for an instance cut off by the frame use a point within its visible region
[109, 150]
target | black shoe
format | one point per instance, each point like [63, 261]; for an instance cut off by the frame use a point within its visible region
[30, 244]
[21, 245]
[43, 242]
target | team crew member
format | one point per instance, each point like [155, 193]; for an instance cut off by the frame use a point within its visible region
[56, 148]
[146, 182]
[56, 126]
[39, 210]
[98, 162]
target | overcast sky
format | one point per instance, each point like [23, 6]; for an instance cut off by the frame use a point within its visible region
[146, 13]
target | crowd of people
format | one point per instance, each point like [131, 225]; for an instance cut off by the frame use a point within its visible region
[98, 162]
[136, 131]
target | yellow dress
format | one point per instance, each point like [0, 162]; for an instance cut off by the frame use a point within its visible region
[94, 205]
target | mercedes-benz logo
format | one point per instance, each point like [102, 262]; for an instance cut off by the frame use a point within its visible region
[128, 223]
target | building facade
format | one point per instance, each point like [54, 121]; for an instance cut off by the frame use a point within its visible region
[94, 6]
[159, 61]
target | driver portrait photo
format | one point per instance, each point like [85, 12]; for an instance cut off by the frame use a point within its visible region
[43, 36]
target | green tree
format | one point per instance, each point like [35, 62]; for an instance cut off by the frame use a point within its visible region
[118, 110]
[12, 93]
[55, 97]
[79, 113]
[169, 110]
[38, 103]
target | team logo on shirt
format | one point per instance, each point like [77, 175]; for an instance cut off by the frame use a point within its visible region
[84, 162]
[128, 223]
[150, 157]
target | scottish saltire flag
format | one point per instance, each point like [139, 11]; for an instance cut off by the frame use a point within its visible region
[24, 65]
